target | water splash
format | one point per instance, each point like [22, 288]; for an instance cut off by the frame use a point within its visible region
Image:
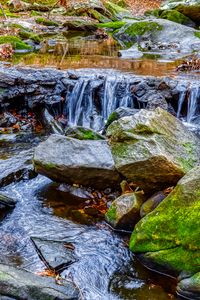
[189, 96]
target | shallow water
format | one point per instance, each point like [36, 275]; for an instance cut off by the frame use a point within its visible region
[86, 52]
[105, 269]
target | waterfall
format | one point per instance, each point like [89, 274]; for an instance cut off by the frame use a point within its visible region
[189, 96]
[93, 98]
[193, 105]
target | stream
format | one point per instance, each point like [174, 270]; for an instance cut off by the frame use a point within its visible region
[105, 268]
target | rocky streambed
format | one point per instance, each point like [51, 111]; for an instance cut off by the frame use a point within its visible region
[74, 232]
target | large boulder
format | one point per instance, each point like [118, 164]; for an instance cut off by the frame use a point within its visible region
[191, 8]
[167, 239]
[85, 162]
[20, 284]
[153, 149]
[158, 36]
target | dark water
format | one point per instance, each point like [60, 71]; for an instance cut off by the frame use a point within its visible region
[105, 269]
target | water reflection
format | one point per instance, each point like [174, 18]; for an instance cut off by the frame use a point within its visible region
[78, 51]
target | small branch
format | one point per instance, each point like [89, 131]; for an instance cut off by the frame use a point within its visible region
[2, 9]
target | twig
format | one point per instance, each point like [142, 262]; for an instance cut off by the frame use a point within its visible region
[2, 9]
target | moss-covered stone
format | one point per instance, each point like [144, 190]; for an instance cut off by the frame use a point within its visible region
[46, 22]
[16, 42]
[171, 15]
[131, 32]
[24, 34]
[151, 149]
[82, 133]
[189, 288]
[116, 11]
[125, 210]
[169, 236]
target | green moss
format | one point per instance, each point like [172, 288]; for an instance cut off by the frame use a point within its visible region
[189, 162]
[16, 42]
[176, 259]
[8, 14]
[197, 34]
[111, 213]
[35, 13]
[112, 25]
[46, 22]
[29, 35]
[177, 244]
[49, 166]
[82, 133]
[98, 16]
[175, 16]
[140, 28]
[113, 117]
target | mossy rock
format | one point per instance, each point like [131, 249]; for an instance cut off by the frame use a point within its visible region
[189, 288]
[16, 42]
[46, 22]
[168, 238]
[24, 34]
[82, 133]
[117, 12]
[130, 33]
[125, 210]
[172, 15]
[151, 149]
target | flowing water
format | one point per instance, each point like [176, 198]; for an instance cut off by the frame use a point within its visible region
[105, 268]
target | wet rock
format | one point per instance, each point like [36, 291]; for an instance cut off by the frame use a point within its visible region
[191, 9]
[189, 288]
[69, 160]
[20, 284]
[125, 210]
[153, 99]
[82, 133]
[120, 113]
[80, 24]
[149, 205]
[91, 211]
[51, 124]
[7, 120]
[153, 149]
[55, 255]
[7, 201]
[17, 168]
[78, 193]
[168, 39]
[167, 239]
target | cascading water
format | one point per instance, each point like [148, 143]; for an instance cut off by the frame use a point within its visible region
[92, 99]
[190, 97]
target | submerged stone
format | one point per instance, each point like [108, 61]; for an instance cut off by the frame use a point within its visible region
[153, 149]
[149, 205]
[56, 255]
[167, 239]
[69, 160]
[189, 288]
[125, 210]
